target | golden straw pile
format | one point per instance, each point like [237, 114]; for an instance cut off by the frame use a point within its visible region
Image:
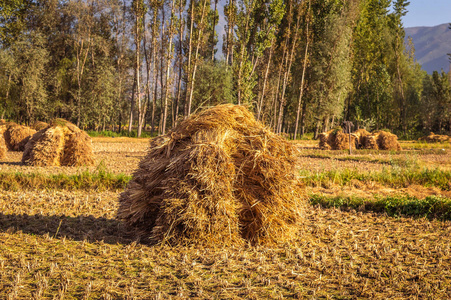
[60, 144]
[336, 139]
[435, 138]
[360, 139]
[219, 178]
[16, 136]
[3, 148]
[39, 125]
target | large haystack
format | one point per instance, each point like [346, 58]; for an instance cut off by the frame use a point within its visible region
[219, 178]
[382, 140]
[38, 125]
[60, 144]
[435, 138]
[3, 148]
[336, 140]
[16, 136]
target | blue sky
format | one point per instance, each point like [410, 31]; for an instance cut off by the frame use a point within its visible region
[427, 13]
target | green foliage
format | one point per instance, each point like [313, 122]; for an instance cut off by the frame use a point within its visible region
[396, 177]
[101, 180]
[430, 207]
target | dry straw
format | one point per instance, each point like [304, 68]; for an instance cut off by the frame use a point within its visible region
[218, 178]
[336, 139]
[17, 136]
[60, 144]
[382, 140]
[38, 125]
[435, 138]
[3, 148]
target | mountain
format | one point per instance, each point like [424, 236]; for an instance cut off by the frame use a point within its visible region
[431, 46]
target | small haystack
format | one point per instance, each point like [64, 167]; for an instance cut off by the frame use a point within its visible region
[326, 140]
[60, 144]
[435, 138]
[3, 147]
[16, 136]
[38, 125]
[360, 135]
[336, 140]
[382, 140]
[218, 178]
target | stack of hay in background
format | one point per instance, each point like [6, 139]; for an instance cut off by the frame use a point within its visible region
[219, 178]
[361, 139]
[336, 139]
[435, 138]
[59, 144]
[15, 136]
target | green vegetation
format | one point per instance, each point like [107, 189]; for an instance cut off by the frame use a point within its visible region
[300, 66]
[396, 177]
[100, 180]
[431, 206]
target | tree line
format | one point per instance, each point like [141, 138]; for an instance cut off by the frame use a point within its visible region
[301, 66]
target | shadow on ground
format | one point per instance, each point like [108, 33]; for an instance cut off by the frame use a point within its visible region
[79, 228]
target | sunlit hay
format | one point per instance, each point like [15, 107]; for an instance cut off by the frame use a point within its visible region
[3, 148]
[219, 178]
[341, 140]
[387, 141]
[77, 150]
[16, 136]
[38, 125]
[60, 144]
[435, 138]
[361, 134]
[325, 140]
[370, 142]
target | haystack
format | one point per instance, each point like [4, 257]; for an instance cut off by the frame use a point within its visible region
[326, 140]
[360, 135]
[60, 144]
[382, 140]
[38, 125]
[218, 178]
[336, 140]
[16, 136]
[435, 138]
[3, 148]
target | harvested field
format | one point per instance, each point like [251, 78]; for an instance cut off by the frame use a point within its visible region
[86, 253]
[68, 243]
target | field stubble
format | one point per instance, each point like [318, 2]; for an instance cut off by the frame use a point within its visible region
[67, 243]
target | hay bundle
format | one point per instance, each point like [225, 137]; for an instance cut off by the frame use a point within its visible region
[3, 148]
[219, 177]
[326, 140]
[382, 140]
[16, 136]
[435, 138]
[387, 141]
[360, 135]
[60, 144]
[336, 140]
[38, 125]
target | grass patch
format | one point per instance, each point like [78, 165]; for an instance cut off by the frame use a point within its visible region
[431, 206]
[123, 133]
[396, 177]
[100, 180]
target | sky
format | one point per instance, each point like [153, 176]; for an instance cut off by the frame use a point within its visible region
[427, 13]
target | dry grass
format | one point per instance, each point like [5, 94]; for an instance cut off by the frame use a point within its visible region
[435, 138]
[85, 253]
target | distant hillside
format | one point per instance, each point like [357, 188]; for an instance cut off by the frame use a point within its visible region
[431, 46]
